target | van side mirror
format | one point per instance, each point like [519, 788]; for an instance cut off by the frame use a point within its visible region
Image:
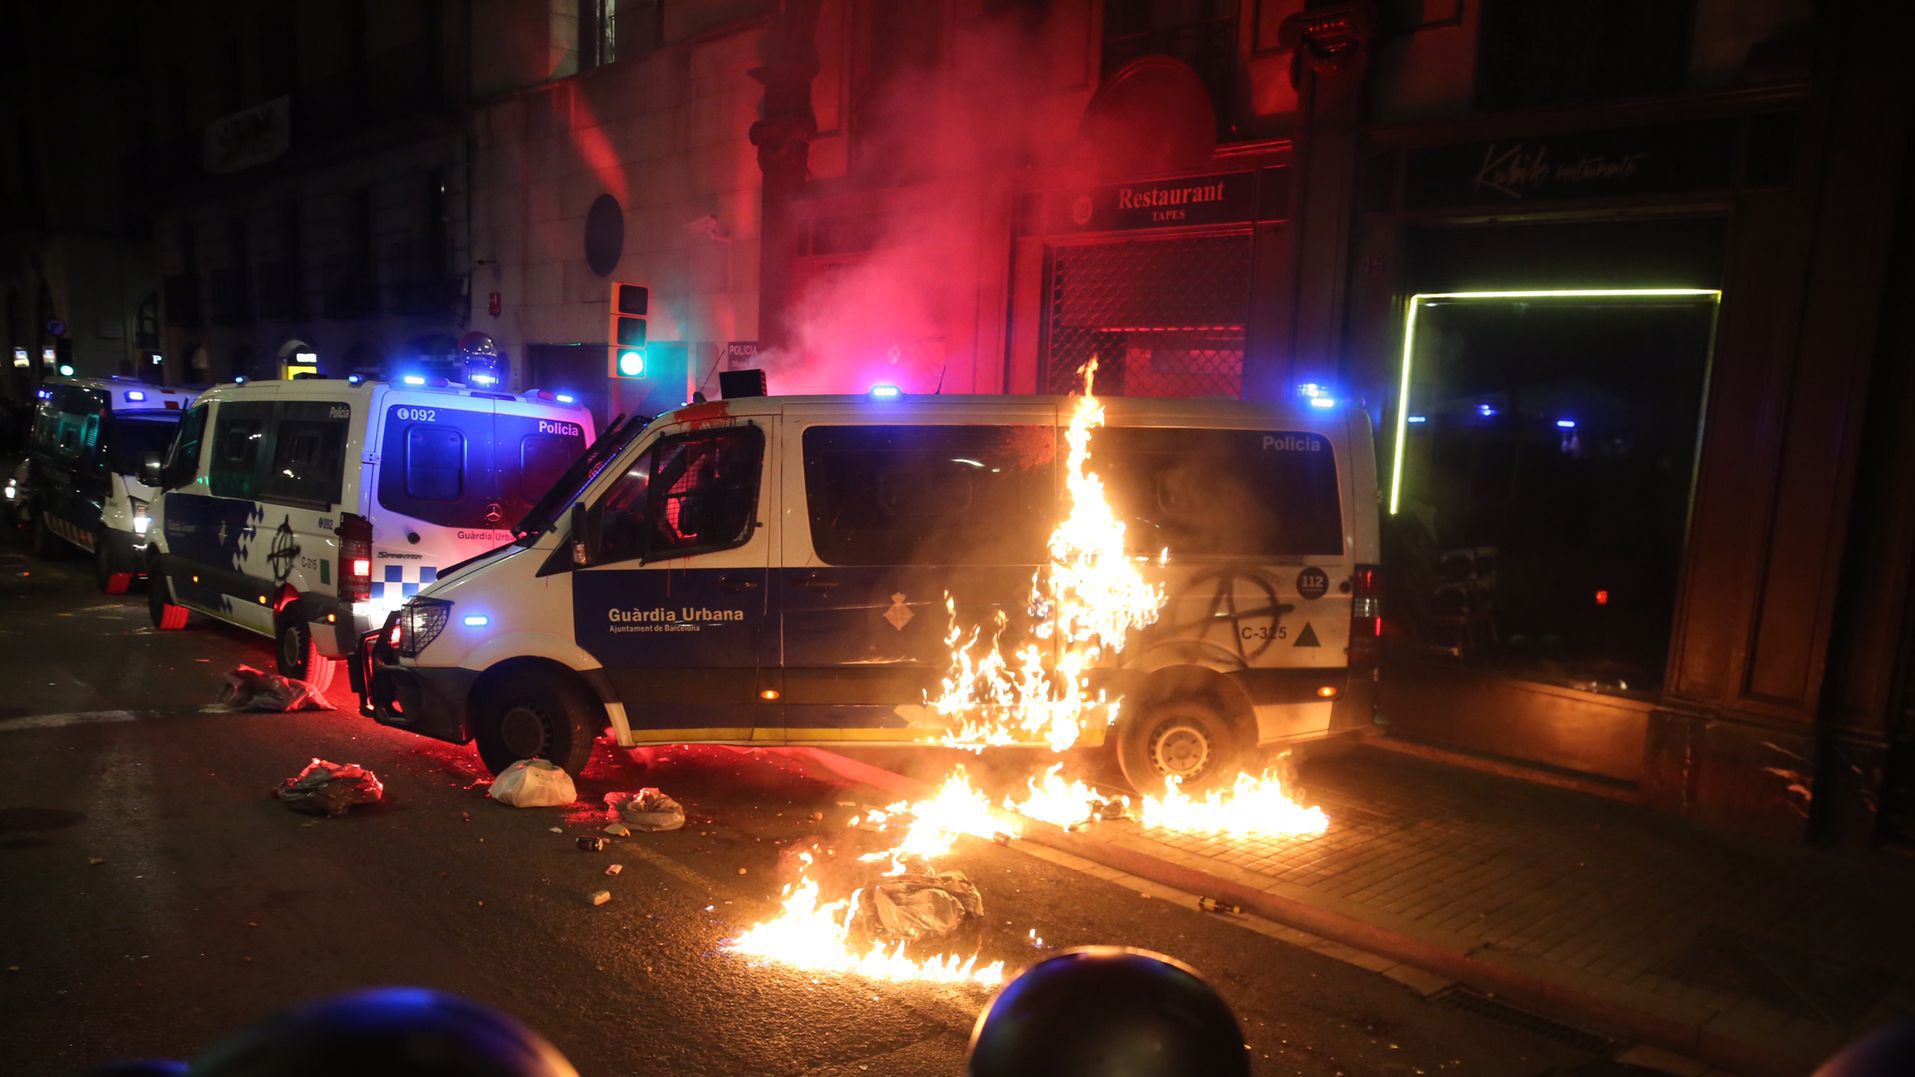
[152, 469]
[584, 542]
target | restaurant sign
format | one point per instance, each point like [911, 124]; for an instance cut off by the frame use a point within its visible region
[1677, 158]
[1226, 198]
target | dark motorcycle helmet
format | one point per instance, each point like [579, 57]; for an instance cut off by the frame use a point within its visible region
[1108, 1010]
[407, 1031]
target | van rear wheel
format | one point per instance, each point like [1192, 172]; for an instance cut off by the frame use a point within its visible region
[296, 654]
[1184, 737]
[159, 606]
[537, 714]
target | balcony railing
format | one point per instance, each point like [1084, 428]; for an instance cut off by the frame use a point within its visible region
[229, 299]
[351, 290]
[282, 291]
[181, 300]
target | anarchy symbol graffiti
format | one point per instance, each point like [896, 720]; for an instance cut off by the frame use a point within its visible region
[283, 551]
[1243, 604]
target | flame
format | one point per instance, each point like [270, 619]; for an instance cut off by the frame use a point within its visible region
[815, 935]
[1083, 604]
[1057, 800]
[1253, 807]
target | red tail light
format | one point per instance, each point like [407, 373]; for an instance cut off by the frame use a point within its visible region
[1366, 614]
[355, 558]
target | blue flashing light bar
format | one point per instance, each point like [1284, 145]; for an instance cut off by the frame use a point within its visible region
[567, 398]
[135, 395]
[475, 620]
[1486, 411]
[1417, 419]
[484, 379]
[1566, 424]
[413, 379]
[239, 379]
[354, 379]
[885, 391]
[1323, 402]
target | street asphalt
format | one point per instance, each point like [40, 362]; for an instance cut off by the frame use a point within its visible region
[154, 898]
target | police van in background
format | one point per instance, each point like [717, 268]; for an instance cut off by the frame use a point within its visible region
[82, 483]
[773, 571]
[307, 510]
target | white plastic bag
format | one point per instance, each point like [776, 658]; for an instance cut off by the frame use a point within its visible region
[533, 783]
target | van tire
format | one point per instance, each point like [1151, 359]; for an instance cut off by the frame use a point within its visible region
[47, 546]
[160, 609]
[295, 654]
[1184, 735]
[538, 714]
[111, 582]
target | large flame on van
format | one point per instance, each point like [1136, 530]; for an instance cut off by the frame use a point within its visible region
[1083, 606]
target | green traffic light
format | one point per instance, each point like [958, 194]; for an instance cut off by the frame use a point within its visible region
[631, 364]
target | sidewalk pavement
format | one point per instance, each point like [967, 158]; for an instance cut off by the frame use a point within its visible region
[1758, 957]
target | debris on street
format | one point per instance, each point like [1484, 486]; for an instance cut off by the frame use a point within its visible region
[249, 689]
[648, 809]
[599, 897]
[96, 861]
[591, 843]
[918, 906]
[327, 788]
[618, 830]
[614, 869]
[533, 783]
[1210, 904]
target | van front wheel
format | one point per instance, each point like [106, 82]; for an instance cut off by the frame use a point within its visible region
[297, 656]
[536, 714]
[1184, 738]
[159, 606]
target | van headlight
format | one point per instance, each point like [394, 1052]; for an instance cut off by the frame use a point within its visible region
[141, 521]
[420, 622]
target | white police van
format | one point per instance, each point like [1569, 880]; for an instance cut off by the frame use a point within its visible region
[773, 571]
[307, 510]
[82, 484]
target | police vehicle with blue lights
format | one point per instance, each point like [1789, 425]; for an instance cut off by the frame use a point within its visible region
[307, 510]
[81, 485]
[773, 571]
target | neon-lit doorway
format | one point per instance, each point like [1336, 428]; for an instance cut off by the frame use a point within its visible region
[1540, 472]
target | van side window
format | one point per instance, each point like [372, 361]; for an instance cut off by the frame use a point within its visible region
[182, 460]
[309, 446]
[1222, 493]
[930, 495]
[237, 434]
[435, 463]
[694, 493]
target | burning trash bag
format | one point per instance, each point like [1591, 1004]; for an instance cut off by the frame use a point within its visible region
[326, 788]
[249, 689]
[533, 783]
[648, 809]
[918, 906]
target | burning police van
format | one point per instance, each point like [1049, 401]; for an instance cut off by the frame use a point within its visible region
[833, 570]
[82, 473]
[308, 510]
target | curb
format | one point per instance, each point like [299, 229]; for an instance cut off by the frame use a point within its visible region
[1602, 1006]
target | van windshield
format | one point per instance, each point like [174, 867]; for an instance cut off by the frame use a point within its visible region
[471, 469]
[132, 436]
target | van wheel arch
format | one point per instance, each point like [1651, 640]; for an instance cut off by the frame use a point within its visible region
[576, 695]
[1206, 706]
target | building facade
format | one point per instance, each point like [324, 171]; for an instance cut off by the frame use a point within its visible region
[311, 183]
[1612, 280]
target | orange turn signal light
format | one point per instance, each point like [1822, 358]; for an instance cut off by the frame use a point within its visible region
[1328, 691]
[768, 694]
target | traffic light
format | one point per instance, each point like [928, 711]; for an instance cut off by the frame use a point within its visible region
[630, 304]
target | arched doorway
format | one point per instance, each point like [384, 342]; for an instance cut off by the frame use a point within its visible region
[297, 357]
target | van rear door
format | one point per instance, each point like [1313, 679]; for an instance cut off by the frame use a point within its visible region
[456, 471]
